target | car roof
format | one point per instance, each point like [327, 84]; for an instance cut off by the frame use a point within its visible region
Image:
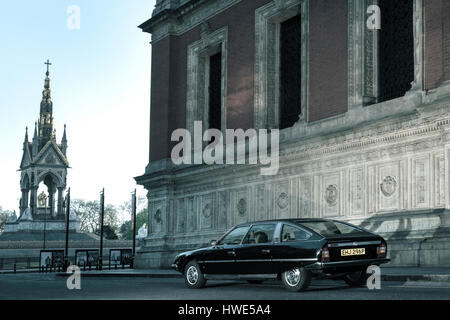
[292, 220]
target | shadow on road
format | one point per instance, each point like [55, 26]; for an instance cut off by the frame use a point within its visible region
[316, 286]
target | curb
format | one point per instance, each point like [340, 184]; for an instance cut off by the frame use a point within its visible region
[123, 275]
[424, 277]
[19, 272]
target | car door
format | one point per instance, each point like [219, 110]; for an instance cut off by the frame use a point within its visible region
[221, 259]
[254, 256]
[296, 247]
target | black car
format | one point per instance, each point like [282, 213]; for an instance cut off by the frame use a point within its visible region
[293, 250]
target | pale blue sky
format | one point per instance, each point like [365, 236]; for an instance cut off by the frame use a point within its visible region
[100, 81]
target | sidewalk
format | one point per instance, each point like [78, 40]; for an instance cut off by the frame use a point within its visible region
[415, 274]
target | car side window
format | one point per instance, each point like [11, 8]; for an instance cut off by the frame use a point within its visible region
[291, 233]
[235, 236]
[262, 233]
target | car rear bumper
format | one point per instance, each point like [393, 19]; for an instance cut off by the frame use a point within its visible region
[342, 265]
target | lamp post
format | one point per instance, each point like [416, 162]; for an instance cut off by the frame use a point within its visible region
[133, 221]
[102, 214]
[67, 209]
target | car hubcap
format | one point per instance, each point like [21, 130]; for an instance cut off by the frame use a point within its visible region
[292, 277]
[192, 275]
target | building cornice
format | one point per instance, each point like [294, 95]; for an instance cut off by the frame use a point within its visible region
[182, 19]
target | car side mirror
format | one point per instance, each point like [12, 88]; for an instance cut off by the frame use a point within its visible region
[213, 243]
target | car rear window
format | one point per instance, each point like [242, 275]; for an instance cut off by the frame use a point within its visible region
[291, 233]
[329, 228]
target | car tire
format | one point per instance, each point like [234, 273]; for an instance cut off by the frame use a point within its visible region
[193, 276]
[296, 280]
[357, 278]
[255, 281]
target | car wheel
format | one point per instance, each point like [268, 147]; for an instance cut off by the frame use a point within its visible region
[255, 281]
[357, 278]
[193, 276]
[297, 279]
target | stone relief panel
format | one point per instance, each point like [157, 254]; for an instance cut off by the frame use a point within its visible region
[157, 218]
[439, 181]
[261, 203]
[206, 212]
[222, 219]
[371, 190]
[420, 181]
[181, 216]
[191, 212]
[331, 189]
[356, 191]
[282, 199]
[240, 208]
[390, 187]
[305, 188]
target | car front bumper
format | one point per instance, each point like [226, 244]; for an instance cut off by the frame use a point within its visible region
[175, 267]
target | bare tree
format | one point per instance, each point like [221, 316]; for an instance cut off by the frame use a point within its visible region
[89, 214]
[4, 214]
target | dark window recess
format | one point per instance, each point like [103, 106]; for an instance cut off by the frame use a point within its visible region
[290, 71]
[396, 49]
[215, 91]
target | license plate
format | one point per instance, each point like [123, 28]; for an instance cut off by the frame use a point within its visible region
[353, 252]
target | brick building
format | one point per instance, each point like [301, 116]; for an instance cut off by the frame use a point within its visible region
[363, 113]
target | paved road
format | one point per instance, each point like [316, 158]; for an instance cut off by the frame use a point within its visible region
[39, 286]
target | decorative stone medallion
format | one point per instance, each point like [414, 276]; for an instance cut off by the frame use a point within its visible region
[388, 186]
[207, 210]
[331, 195]
[242, 206]
[283, 200]
[158, 218]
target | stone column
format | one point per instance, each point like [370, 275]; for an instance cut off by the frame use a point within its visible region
[24, 200]
[33, 200]
[59, 213]
[51, 203]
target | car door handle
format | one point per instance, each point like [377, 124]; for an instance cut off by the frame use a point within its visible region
[232, 253]
[266, 251]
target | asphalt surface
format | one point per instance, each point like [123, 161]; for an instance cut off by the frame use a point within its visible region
[34, 286]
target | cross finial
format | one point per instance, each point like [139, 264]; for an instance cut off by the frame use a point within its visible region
[48, 65]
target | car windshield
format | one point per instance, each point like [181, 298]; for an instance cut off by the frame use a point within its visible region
[235, 236]
[329, 228]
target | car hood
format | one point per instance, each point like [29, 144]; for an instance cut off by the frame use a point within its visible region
[193, 252]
